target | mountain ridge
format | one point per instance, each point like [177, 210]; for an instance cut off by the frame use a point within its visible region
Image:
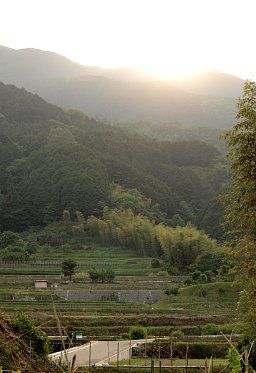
[123, 93]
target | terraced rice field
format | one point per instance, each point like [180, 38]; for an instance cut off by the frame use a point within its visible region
[193, 306]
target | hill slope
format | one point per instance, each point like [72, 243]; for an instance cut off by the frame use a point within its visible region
[122, 94]
[54, 160]
[211, 83]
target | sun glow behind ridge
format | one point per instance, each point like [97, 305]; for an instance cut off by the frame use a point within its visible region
[172, 69]
[169, 38]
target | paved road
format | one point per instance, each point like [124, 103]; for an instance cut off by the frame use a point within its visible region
[98, 352]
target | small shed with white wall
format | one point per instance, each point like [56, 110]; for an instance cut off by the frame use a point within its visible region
[41, 284]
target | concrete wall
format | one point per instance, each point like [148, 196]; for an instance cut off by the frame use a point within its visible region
[143, 296]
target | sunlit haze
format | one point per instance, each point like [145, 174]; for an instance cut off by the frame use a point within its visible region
[166, 37]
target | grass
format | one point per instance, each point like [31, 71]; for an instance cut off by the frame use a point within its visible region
[140, 365]
[198, 304]
[168, 362]
[214, 298]
[123, 261]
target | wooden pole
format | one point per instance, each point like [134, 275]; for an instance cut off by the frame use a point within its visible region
[145, 355]
[152, 365]
[117, 360]
[246, 361]
[171, 352]
[73, 364]
[186, 370]
[130, 355]
[90, 354]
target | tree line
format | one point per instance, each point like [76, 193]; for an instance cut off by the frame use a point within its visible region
[53, 160]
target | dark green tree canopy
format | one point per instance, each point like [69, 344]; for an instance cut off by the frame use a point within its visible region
[242, 143]
[241, 200]
[55, 160]
[68, 268]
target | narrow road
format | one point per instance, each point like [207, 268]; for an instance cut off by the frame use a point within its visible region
[98, 352]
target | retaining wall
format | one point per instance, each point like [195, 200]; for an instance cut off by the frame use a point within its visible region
[143, 296]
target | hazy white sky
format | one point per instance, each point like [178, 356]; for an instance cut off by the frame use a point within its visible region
[166, 36]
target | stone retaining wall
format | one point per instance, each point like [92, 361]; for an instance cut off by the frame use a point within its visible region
[143, 296]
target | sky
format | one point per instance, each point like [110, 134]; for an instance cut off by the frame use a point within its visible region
[167, 37]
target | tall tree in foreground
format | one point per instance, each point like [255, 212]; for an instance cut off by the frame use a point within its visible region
[241, 201]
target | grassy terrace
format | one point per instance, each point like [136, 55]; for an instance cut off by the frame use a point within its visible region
[194, 305]
[131, 271]
[122, 261]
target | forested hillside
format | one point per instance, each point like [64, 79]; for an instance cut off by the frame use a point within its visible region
[122, 94]
[53, 161]
[175, 132]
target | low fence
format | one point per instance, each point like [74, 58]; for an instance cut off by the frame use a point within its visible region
[130, 368]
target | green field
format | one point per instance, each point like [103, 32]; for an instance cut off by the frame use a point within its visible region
[48, 263]
[197, 305]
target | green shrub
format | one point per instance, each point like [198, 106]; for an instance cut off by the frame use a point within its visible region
[210, 276]
[203, 278]
[125, 336]
[155, 263]
[6, 357]
[195, 350]
[173, 271]
[196, 275]
[102, 276]
[209, 261]
[210, 329]
[8, 238]
[223, 272]
[234, 361]
[33, 335]
[162, 273]
[177, 333]
[138, 332]
[191, 330]
[80, 276]
[171, 291]
[203, 350]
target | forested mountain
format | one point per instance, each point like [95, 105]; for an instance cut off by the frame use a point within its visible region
[122, 94]
[53, 160]
[175, 132]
